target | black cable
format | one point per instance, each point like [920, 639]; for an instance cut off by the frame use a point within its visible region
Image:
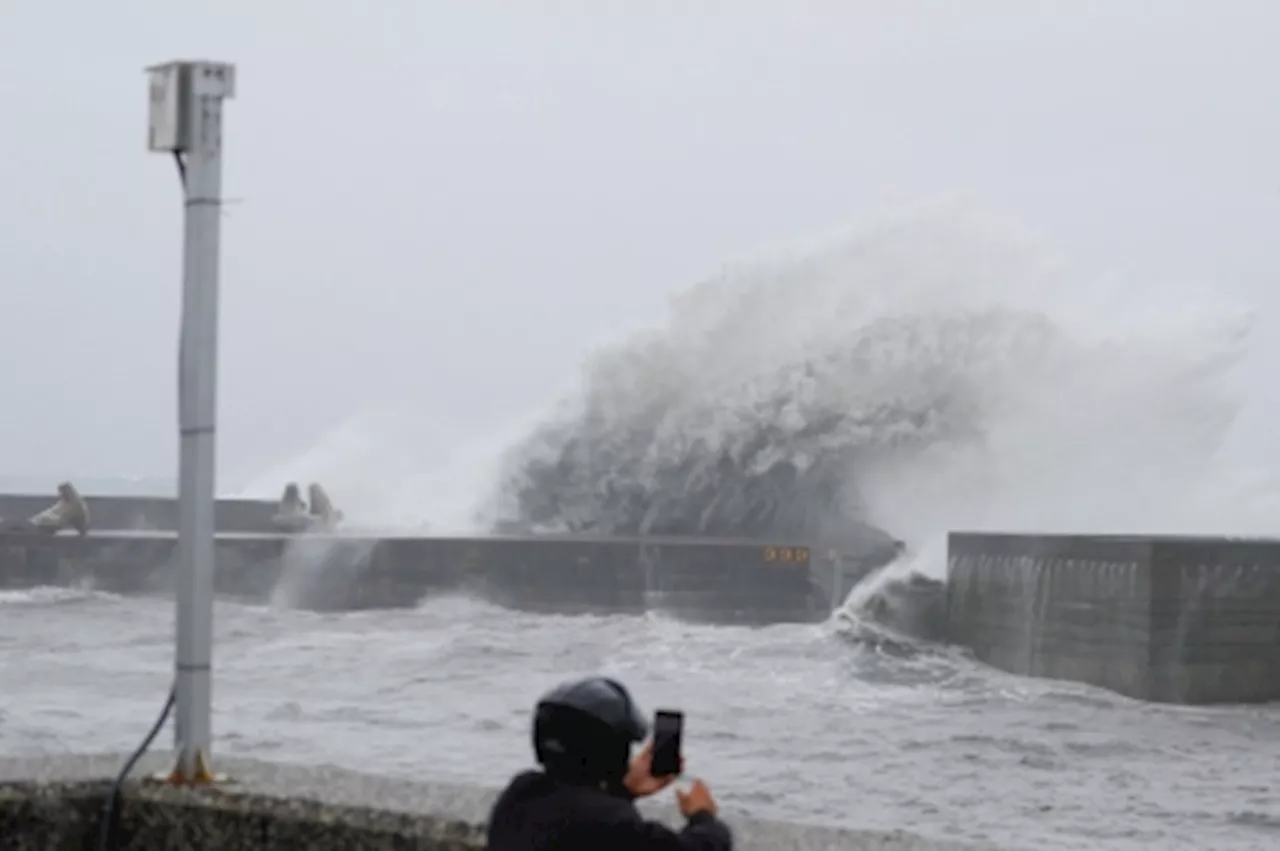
[113, 798]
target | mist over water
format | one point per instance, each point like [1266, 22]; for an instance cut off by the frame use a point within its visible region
[936, 369]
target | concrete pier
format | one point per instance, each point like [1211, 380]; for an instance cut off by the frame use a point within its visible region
[1167, 619]
[713, 581]
[143, 513]
[56, 804]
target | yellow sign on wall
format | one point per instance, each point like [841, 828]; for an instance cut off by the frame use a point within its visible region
[786, 555]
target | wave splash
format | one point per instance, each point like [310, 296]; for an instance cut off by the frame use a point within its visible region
[936, 370]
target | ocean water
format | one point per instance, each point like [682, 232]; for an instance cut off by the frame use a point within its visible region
[938, 368]
[796, 723]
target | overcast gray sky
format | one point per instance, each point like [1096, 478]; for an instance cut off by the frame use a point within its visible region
[442, 205]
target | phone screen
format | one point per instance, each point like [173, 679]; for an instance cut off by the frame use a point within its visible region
[668, 729]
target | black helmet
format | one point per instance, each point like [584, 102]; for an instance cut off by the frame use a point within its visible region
[583, 731]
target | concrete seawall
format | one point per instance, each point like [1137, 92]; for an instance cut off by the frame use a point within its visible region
[56, 804]
[1168, 619]
[703, 580]
[121, 513]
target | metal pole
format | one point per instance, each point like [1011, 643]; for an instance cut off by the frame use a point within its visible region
[201, 89]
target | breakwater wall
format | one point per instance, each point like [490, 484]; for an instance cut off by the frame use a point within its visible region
[705, 580]
[158, 513]
[56, 804]
[1168, 619]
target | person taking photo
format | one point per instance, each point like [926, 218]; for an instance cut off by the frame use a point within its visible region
[584, 797]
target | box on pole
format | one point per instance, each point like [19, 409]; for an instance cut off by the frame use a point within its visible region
[186, 120]
[174, 87]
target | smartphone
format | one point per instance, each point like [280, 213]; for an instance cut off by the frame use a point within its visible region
[668, 729]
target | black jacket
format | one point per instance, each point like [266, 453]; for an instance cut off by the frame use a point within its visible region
[538, 813]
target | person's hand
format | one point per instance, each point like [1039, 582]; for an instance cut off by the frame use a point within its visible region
[697, 800]
[639, 781]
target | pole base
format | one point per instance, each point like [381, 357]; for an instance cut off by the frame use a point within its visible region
[200, 776]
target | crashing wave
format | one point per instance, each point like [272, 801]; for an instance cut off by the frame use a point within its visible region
[934, 371]
[664, 443]
[939, 371]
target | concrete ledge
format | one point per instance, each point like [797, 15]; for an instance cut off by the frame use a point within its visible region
[700, 579]
[55, 804]
[148, 512]
[1169, 619]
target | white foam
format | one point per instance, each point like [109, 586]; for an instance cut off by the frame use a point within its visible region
[45, 595]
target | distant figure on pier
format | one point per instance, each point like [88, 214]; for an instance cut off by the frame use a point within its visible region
[323, 515]
[292, 515]
[69, 512]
